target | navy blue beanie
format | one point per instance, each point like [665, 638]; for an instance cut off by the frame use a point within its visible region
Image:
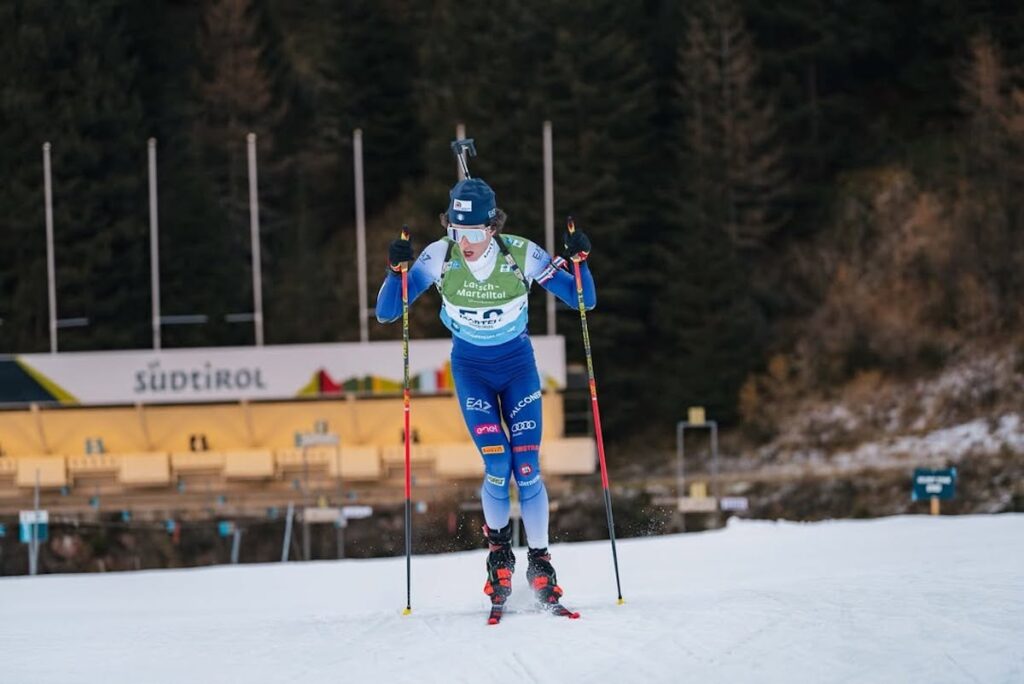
[472, 203]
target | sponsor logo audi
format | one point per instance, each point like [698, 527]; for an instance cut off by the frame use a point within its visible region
[497, 449]
[497, 481]
[523, 403]
[474, 404]
[523, 425]
[487, 429]
[526, 447]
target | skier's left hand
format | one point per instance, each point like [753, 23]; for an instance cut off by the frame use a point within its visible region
[577, 245]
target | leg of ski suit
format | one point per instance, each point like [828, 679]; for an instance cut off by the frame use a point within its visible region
[507, 388]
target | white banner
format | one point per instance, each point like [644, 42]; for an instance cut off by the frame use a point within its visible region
[277, 372]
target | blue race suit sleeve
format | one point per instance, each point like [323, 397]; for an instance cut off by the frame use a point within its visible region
[389, 298]
[562, 284]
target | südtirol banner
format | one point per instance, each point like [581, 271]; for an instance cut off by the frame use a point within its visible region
[234, 373]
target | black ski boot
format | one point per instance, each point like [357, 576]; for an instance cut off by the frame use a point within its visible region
[541, 576]
[501, 563]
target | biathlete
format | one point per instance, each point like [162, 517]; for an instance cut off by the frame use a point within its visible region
[484, 277]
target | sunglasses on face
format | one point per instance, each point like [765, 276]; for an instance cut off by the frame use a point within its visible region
[471, 234]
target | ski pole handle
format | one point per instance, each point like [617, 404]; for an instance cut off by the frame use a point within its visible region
[571, 227]
[404, 235]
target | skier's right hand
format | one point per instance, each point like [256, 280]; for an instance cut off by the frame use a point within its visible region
[399, 252]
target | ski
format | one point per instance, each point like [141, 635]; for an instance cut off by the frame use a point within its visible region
[561, 611]
[556, 609]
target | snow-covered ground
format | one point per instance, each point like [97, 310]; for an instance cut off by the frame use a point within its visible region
[907, 599]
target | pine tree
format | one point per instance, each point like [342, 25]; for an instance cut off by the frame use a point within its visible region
[705, 310]
[70, 80]
[993, 175]
[236, 94]
[598, 93]
[731, 130]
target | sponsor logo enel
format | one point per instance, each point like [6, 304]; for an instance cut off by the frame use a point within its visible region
[487, 429]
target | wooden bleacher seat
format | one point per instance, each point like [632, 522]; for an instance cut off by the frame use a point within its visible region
[357, 463]
[197, 461]
[294, 460]
[251, 464]
[145, 469]
[93, 464]
[52, 471]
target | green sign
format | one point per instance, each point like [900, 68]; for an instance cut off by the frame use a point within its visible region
[934, 484]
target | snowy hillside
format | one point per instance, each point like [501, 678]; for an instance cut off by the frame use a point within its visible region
[908, 599]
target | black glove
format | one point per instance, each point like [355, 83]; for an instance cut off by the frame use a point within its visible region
[577, 246]
[399, 252]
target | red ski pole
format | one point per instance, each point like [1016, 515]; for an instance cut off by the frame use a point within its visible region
[597, 416]
[405, 404]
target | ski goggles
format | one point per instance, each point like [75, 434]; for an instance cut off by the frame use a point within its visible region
[471, 234]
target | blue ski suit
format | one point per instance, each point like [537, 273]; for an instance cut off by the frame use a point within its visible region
[494, 368]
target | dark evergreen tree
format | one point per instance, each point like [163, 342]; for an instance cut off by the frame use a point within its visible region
[598, 92]
[70, 79]
[731, 131]
[705, 311]
[235, 95]
[192, 267]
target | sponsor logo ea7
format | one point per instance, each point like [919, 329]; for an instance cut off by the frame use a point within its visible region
[487, 429]
[526, 447]
[523, 403]
[474, 404]
[498, 481]
[523, 425]
[532, 481]
[496, 449]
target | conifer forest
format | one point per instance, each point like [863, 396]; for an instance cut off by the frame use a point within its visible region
[839, 182]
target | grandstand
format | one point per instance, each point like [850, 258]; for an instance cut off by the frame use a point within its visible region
[154, 457]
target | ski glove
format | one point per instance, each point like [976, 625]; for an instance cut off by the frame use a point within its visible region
[577, 246]
[399, 252]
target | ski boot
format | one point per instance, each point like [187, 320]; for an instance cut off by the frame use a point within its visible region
[541, 576]
[501, 563]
